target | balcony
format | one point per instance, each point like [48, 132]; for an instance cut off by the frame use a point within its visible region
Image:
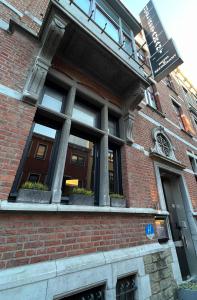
[95, 43]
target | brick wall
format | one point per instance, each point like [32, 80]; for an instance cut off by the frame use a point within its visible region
[30, 238]
[15, 122]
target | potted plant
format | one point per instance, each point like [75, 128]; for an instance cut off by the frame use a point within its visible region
[117, 200]
[187, 291]
[34, 192]
[81, 196]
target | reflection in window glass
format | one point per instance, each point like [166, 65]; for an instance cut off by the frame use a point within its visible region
[101, 20]
[126, 28]
[108, 10]
[41, 151]
[113, 126]
[82, 173]
[111, 171]
[84, 5]
[114, 166]
[85, 115]
[42, 135]
[52, 99]
[128, 45]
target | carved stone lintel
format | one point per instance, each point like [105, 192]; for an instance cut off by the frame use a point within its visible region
[128, 125]
[50, 42]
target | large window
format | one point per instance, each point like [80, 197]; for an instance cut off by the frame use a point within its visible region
[67, 151]
[81, 168]
[107, 19]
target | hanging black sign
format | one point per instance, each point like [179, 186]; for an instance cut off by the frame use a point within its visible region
[163, 55]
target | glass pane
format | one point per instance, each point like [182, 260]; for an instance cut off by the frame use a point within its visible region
[52, 99]
[125, 288]
[110, 29]
[79, 171]
[41, 151]
[126, 28]
[37, 170]
[113, 126]
[111, 171]
[128, 45]
[108, 10]
[85, 115]
[84, 5]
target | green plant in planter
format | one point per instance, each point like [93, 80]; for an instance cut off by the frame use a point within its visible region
[117, 196]
[82, 191]
[117, 200]
[28, 185]
[191, 285]
[187, 290]
[81, 196]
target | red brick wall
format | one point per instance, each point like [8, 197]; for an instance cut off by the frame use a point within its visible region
[30, 238]
[15, 122]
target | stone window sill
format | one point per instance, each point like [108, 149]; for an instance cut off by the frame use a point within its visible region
[10, 206]
[186, 132]
[156, 110]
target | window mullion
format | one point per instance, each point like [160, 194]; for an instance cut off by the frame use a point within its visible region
[104, 199]
[62, 151]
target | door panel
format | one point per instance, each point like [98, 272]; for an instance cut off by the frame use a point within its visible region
[173, 203]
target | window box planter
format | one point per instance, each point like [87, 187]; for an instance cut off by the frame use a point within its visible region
[34, 192]
[117, 200]
[33, 196]
[81, 196]
[187, 291]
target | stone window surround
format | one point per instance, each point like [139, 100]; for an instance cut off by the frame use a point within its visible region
[105, 109]
[157, 149]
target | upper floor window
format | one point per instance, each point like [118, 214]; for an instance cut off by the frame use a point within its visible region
[106, 18]
[162, 143]
[113, 126]
[178, 111]
[141, 55]
[170, 83]
[52, 99]
[41, 151]
[85, 114]
[151, 98]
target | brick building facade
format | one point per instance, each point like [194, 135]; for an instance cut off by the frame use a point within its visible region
[79, 110]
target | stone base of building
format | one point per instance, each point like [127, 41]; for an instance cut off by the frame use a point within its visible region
[155, 266]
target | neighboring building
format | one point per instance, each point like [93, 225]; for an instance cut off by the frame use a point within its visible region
[79, 109]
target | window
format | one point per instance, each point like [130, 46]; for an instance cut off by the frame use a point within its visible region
[193, 162]
[41, 151]
[85, 114]
[151, 98]
[78, 160]
[106, 18]
[63, 150]
[141, 55]
[96, 293]
[163, 144]
[178, 112]
[114, 166]
[52, 99]
[170, 83]
[84, 172]
[101, 19]
[84, 5]
[113, 126]
[34, 177]
[35, 164]
[125, 288]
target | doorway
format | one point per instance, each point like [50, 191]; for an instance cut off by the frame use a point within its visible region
[181, 235]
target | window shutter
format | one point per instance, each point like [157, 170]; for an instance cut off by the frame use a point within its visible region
[187, 124]
[157, 100]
